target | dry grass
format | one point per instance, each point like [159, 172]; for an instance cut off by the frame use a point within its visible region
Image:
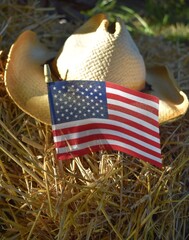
[100, 196]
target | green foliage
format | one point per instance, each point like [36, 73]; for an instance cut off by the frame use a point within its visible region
[115, 10]
[167, 12]
[152, 17]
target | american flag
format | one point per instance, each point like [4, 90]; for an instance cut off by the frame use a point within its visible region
[89, 116]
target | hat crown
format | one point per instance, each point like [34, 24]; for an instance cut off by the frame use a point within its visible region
[104, 53]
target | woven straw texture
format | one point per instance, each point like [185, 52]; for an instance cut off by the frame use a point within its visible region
[96, 51]
[101, 55]
[24, 77]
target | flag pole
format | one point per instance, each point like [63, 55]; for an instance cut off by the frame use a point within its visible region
[47, 73]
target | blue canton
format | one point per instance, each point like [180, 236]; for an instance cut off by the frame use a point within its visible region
[77, 100]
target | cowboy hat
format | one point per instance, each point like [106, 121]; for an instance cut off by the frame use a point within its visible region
[98, 51]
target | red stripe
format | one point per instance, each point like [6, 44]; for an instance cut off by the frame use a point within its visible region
[70, 155]
[134, 124]
[133, 103]
[129, 133]
[97, 125]
[133, 92]
[133, 113]
[107, 137]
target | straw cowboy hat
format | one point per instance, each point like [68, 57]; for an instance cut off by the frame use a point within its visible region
[98, 51]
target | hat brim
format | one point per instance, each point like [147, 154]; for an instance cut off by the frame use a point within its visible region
[24, 81]
[24, 77]
[173, 103]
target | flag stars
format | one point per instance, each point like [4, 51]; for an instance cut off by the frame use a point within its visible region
[79, 101]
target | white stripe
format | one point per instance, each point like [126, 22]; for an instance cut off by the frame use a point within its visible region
[104, 131]
[110, 142]
[132, 97]
[133, 108]
[134, 119]
[106, 121]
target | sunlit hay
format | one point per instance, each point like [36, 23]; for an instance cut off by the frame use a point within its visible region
[105, 195]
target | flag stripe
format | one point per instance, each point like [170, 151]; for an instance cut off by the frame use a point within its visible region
[136, 114]
[131, 119]
[126, 103]
[84, 125]
[103, 131]
[136, 125]
[90, 146]
[73, 139]
[132, 94]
